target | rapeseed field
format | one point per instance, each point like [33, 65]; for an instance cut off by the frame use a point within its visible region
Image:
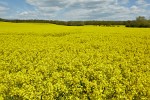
[51, 62]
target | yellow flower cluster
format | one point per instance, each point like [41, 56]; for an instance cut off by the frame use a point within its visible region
[51, 62]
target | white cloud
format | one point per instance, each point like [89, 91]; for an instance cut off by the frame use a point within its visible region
[85, 9]
[29, 15]
[136, 10]
[141, 2]
[77, 14]
[52, 5]
[3, 10]
[124, 1]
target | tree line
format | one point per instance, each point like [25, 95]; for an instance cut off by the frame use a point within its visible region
[140, 21]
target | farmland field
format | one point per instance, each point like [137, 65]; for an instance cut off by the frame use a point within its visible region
[51, 62]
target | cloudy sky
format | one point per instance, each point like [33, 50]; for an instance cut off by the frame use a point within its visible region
[74, 9]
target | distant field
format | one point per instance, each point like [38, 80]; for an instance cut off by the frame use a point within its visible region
[51, 62]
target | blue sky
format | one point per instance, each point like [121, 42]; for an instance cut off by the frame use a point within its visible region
[74, 9]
